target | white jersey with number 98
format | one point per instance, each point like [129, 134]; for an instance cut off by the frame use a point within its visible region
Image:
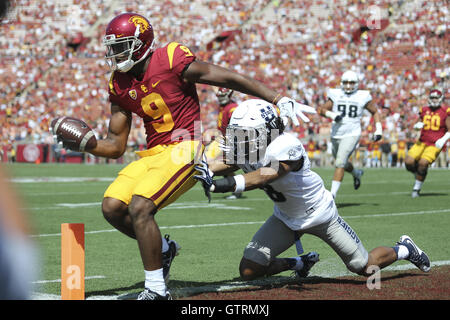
[350, 107]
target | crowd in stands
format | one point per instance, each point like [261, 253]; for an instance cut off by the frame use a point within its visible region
[52, 57]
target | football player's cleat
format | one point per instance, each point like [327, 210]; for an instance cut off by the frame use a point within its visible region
[415, 194]
[129, 40]
[357, 179]
[309, 260]
[148, 294]
[416, 256]
[168, 256]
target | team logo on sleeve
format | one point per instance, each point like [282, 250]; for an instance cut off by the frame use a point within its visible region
[133, 94]
[295, 153]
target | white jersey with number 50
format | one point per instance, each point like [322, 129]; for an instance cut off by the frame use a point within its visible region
[350, 107]
[300, 198]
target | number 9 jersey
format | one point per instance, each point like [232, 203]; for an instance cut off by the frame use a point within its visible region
[350, 107]
[162, 98]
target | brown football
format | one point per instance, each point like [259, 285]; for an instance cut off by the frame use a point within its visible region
[74, 133]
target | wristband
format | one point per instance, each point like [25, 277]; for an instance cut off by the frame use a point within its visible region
[226, 184]
[446, 136]
[240, 183]
[275, 101]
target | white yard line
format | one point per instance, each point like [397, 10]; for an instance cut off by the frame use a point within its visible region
[59, 280]
[369, 215]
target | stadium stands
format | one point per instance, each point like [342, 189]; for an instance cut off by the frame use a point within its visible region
[52, 58]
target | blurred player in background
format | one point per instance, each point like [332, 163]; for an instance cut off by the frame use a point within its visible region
[158, 85]
[226, 108]
[18, 254]
[401, 152]
[345, 107]
[278, 163]
[435, 131]
[311, 148]
[4, 6]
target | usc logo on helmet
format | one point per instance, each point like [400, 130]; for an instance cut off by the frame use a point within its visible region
[141, 22]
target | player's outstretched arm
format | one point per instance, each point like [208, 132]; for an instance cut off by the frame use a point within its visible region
[207, 73]
[255, 179]
[221, 169]
[115, 143]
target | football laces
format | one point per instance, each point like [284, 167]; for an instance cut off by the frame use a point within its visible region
[71, 129]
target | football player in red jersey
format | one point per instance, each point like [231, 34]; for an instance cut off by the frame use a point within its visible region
[435, 131]
[226, 108]
[158, 85]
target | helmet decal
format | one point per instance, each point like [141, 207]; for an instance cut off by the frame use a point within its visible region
[267, 113]
[141, 22]
[128, 39]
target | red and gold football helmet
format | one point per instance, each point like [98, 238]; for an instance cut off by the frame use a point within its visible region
[435, 98]
[224, 95]
[129, 39]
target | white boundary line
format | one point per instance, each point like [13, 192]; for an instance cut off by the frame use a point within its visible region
[187, 291]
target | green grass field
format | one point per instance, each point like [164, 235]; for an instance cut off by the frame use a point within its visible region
[213, 236]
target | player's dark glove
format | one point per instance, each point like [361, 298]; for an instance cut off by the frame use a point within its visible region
[338, 118]
[205, 177]
[377, 137]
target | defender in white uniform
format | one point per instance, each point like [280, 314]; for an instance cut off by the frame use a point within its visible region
[277, 163]
[345, 106]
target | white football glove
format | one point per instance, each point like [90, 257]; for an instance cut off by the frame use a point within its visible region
[418, 126]
[378, 134]
[290, 109]
[440, 143]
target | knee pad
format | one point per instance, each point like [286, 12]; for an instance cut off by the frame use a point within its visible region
[347, 165]
[357, 265]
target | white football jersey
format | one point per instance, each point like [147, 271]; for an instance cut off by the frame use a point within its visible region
[300, 198]
[351, 107]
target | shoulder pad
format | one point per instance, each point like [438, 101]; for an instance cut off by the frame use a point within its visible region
[171, 51]
[286, 147]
